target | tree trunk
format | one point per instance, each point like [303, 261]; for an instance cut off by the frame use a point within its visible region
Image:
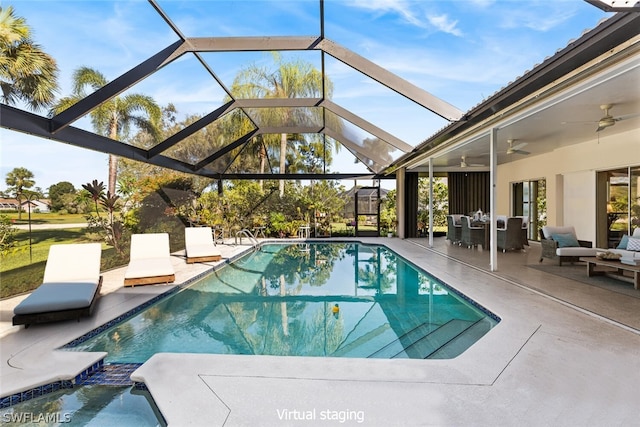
[283, 160]
[113, 160]
[263, 161]
[113, 173]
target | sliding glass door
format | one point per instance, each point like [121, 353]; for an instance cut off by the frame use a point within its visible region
[529, 200]
[618, 206]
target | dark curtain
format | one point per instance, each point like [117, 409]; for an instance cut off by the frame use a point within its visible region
[468, 192]
[411, 205]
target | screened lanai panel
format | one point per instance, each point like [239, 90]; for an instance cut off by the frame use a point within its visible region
[94, 33]
[264, 74]
[378, 104]
[359, 141]
[305, 117]
[243, 18]
[306, 153]
[196, 94]
[247, 158]
[347, 160]
[212, 138]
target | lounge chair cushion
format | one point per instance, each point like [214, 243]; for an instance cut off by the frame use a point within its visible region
[205, 250]
[69, 263]
[149, 267]
[577, 251]
[58, 296]
[199, 242]
[150, 245]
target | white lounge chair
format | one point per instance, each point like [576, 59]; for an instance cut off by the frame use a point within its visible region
[199, 245]
[70, 286]
[150, 260]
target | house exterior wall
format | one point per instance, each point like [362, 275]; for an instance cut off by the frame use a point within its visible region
[570, 175]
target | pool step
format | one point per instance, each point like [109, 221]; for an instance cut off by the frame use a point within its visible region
[117, 374]
[423, 341]
[398, 345]
[460, 343]
[427, 345]
[368, 340]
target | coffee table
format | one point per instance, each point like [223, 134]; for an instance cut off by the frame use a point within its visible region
[593, 262]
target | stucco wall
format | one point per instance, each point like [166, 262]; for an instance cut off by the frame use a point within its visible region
[570, 174]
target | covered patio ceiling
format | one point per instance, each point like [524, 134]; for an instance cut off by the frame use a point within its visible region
[235, 122]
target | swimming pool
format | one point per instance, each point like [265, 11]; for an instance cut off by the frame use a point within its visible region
[305, 299]
[89, 405]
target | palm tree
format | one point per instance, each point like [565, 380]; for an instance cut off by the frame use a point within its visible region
[17, 181]
[113, 118]
[297, 79]
[27, 74]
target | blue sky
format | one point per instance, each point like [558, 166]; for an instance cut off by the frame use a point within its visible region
[462, 51]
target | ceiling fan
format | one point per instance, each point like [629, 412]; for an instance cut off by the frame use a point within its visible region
[608, 120]
[464, 164]
[516, 149]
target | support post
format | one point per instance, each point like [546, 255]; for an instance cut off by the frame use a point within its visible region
[493, 142]
[430, 202]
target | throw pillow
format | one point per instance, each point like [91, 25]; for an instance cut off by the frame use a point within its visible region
[633, 244]
[623, 242]
[565, 240]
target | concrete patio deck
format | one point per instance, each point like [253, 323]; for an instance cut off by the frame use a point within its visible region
[565, 353]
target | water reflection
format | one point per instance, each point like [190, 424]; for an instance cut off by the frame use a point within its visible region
[86, 406]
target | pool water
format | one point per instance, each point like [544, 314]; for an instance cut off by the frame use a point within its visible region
[89, 405]
[305, 299]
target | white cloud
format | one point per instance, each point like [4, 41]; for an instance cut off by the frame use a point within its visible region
[412, 12]
[540, 17]
[445, 24]
[482, 3]
[401, 7]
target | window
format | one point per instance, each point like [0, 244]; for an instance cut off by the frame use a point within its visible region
[618, 205]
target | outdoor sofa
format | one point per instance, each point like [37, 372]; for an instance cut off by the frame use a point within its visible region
[628, 251]
[199, 245]
[70, 286]
[149, 260]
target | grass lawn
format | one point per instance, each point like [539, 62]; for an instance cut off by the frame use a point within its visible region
[47, 218]
[19, 274]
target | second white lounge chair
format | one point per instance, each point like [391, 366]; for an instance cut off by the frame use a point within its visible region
[150, 260]
[199, 245]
